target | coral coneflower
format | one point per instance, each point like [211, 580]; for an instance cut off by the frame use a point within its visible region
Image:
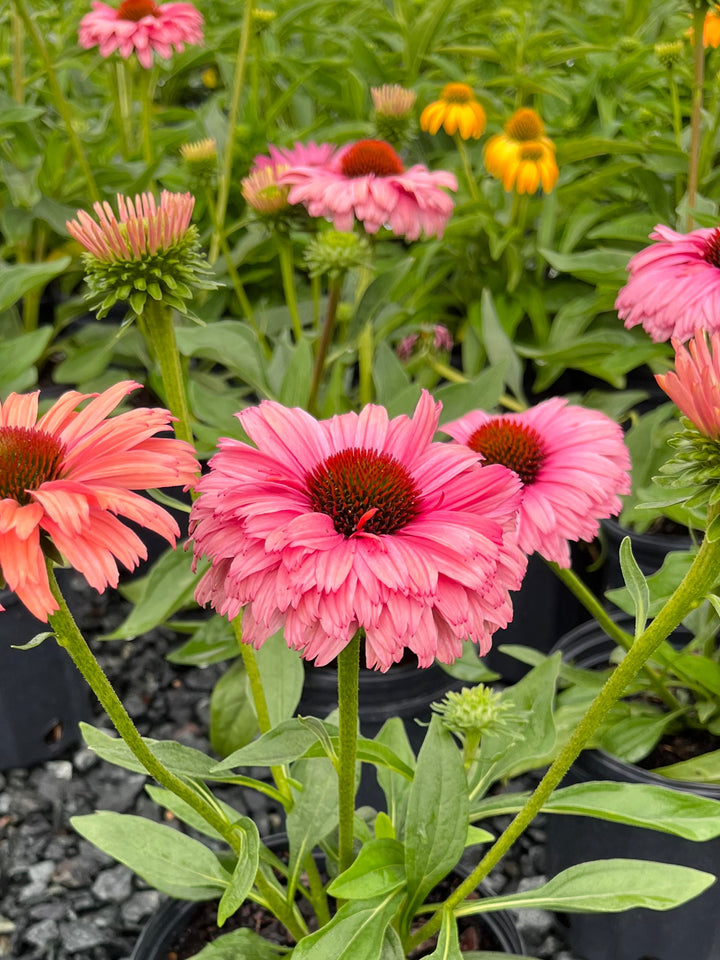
[357, 522]
[142, 26]
[674, 285]
[572, 462]
[151, 250]
[368, 182]
[66, 477]
[522, 157]
[694, 387]
[457, 111]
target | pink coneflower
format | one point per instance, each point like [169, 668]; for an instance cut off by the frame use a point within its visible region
[572, 462]
[142, 26]
[695, 386]
[143, 228]
[262, 191]
[299, 155]
[674, 285]
[357, 522]
[66, 477]
[368, 182]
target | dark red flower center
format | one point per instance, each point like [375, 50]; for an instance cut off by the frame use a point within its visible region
[711, 252]
[28, 458]
[371, 156]
[137, 9]
[512, 444]
[363, 491]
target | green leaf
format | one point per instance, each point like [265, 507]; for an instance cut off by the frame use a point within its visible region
[701, 669]
[241, 944]
[392, 948]
[636, 585]
[296, 382]
[356, 932]
[34, 642]
[187, 814]
[233, 723]
[213, 641]
[284, 743]
[379, 868]
[282, 675]
[703, 769]
[448, 947]
[170, 585]
[605, 886]
[243, 875]
[600, 266]
[483, 392]
[388, 373]
[21, 278]
[633, 737]
[181, 760]
[477, 835]
[314, 813]
[660, 584]
[18, 356]
[168, 860]
[437, 815]
[497, 342]
[228, 342]
[393, 735]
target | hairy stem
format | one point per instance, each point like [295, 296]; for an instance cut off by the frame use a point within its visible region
[348, 679]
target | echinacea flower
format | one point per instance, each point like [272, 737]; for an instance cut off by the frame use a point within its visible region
[200, 158]
[150, 251]
[67, 477]
[299, 155]
[368, 182]
[457, 111]
[674, 285]
[142, 26]
[392, 100]
[694, 387]
[522, 157]
[326, 527]
[262, 191]
[572, 462]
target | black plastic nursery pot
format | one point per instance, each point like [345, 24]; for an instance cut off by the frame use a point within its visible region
[649, 550]
[42, 695]
[689, 932]
[171, 930]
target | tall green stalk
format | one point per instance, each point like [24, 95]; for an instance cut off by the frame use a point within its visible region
[233, 113]
[467, 167]
[699, 580]
[348, 680]
[61, 104]
[287, 271]
[699, 12]
[325, 340]
[156, 325]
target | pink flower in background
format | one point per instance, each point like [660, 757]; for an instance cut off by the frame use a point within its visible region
[368, 182]
[674, 285]
[572, 462]
[144, 227]
[141, 26]
[300, 155]
[68, 475]
[694, 387]
[357, 522]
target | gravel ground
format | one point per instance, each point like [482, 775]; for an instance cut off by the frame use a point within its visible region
[61, 899]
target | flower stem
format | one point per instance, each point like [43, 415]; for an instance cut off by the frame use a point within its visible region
[287, 271]
[61, 104]
[348, 680]
[699, 580]
[325, 341]
[147, 95]
[467, 167]
[365, 359]
[18, 62]
[587, 598]
[233, 113]
[158, 329]
[696, 115]
[119, 84]
[261, 709]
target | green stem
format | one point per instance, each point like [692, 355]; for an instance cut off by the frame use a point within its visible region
[18, 62]
[324, 342]
[61, 103]
[445, 370]
[467, 167]
[696, 115]
[287, 271]
[237, 283]
[147, 95]
[699, 580]
[365, 364]
[676, 113]
[233, 113]
[318, 897]
[262, 713]
[315, 290]
[119, 85]
[587, 598]
[348, 679]
[158, 329]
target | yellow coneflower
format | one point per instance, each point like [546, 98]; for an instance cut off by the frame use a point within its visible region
[522, 157]
[711, 28]
[457, 110]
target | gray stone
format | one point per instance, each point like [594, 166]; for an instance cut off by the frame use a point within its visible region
[42, 934]
[60, 769]
[533, 925]
[85, 759]
[120, 797]
[114, 885]
[79, 935]
[139, 906]
[49, 910]
[42, 871]
[75, 872]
